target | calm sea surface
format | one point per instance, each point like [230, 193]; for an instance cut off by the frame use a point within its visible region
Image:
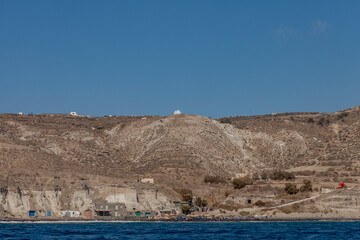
[182, 230]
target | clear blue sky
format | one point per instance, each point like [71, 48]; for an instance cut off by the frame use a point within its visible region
[211, 58]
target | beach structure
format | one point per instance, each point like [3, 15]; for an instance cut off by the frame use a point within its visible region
[68, 213]
[147, 180]
[40, 213]
[32, 213]
[141, 214]
[112, 210]
[44, 213]
[168, 212]
[88, 214]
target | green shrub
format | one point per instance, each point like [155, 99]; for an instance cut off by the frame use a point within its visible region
[200, 202]
[291, 188]
[289, 176]
[184, 191]
[260, 203]
[187, 198]
[307, 187]
[239, 183]
[186, 194]
[185, 209]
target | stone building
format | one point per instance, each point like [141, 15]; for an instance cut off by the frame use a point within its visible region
[110, 210]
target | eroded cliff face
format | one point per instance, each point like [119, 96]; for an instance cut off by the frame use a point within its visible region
[17, 204]
[65, 162]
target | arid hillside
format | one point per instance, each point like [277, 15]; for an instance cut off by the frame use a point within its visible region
[71, 152]
[179, 145]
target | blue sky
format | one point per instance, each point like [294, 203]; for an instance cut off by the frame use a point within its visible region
[211, 58]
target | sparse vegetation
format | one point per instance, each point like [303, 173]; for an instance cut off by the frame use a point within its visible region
[305, 173]
[322, 121]
[289, 209]
[350, 180]
[187, 198]
[186, 194]
[185, 209]
[260, 203]
[183, 191]
[214, 179]
[185, 152]
[307, 187]
[201, 202]
[244, 213]
[291, 188]
[239, 183]
[264, 175]
[225, 120]
[281, 175]
[227, 193]
[342, 115]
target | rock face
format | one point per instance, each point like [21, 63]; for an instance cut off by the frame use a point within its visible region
[64, 162]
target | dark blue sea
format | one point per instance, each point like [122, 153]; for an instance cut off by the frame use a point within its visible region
[182, 230]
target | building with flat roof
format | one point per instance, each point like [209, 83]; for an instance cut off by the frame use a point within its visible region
[111, 210]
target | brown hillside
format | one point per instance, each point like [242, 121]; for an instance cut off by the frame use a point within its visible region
[176, 150]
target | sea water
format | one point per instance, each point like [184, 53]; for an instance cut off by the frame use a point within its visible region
[182, 230]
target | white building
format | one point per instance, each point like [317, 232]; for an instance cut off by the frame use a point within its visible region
[69, 213]
[73, 113]
[177, 112]
[147, 180]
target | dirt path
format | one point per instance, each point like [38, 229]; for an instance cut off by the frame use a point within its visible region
[297, 201]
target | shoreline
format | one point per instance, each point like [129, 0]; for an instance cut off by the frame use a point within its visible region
[13, 220]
